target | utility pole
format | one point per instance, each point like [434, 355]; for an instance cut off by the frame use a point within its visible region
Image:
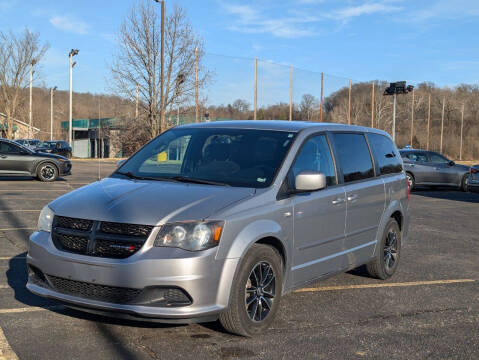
[30, 129]
[52, 90]
[137, 100]
[72, 53]
[398, 87]
[290, 93]
[255, 88]
[412, 118]
[321, 104]
[462, 126]
[349, 103]
[372, 106]
[428, 121]
[197, 90]
[442, 121]
[394, 118]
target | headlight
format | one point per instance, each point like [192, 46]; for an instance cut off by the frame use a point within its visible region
[192, 236]
[45, 220]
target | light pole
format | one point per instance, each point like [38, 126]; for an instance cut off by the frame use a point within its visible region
[52, 90]
[72, 53]
[162, 62]
[30, 132]
[398, 87]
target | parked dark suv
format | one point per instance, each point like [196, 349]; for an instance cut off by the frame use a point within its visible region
[59, 147]
[19, 160]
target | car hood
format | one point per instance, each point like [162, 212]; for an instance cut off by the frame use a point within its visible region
[146, 202]
[41, 154]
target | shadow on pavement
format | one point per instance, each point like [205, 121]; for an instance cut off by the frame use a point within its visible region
[447, 194]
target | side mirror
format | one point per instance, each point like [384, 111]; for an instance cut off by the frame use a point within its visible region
[120, 163]
[452, 163]
[309, 181]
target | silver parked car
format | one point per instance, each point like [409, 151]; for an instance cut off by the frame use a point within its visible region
[218, 220]
[433, 169]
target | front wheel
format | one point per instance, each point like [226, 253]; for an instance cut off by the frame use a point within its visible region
[47, 172]
[256, 292]
[388, 253]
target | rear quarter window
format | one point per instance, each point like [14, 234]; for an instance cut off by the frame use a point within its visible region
[354, 156]
[386, 154]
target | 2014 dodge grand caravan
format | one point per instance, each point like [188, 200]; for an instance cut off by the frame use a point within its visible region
[218, 220]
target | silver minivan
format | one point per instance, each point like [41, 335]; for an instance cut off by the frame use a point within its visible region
[218, 220]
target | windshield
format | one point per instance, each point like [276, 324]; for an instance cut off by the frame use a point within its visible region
[235, 157]
[49, 144]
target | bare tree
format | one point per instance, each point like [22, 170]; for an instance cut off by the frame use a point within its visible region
[307, 106]
[138, 62]
[17, 53]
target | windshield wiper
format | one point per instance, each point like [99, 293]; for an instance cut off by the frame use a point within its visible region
[198, 181]
[136, 177]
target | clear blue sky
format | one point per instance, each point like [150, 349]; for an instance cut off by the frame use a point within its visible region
[414, 40]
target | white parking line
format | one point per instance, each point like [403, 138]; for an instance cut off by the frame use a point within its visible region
[30, 199]
[9, 211]
[13, 229]
[384, 285]
[24, 190]
[29, 309]
[13, 258]
[4, 286]
[6, 352]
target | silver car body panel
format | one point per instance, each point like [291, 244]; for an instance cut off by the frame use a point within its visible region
[317, 235]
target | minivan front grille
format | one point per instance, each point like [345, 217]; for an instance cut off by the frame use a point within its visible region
[95, 238]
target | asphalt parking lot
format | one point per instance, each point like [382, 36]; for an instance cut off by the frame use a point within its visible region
[429, 309]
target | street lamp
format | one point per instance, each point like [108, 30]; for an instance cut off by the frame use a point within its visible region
[72, 53]
[52, 90]
[395, 88]
[162, 62]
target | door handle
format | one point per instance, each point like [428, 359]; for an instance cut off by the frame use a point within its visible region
[338, 201]
[352, 197]
[412, 165]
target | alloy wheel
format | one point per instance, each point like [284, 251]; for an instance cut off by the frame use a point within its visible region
[390, 250]
[48, 172]
[260, 291]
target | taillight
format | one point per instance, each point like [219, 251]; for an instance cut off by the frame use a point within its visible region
[473, 170]
[408, 189]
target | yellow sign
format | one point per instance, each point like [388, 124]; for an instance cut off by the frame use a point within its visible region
[162, 156]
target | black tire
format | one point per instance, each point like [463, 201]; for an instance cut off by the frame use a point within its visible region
[47, 172]
[241, 318]
[388, 255]
[464, 183]
[410, 180]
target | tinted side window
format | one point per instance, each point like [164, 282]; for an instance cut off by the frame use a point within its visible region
[6, 148]
[436, 158]
[315, 155]
[386, 154]
[354, 156]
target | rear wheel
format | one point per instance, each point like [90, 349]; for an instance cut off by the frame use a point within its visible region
[255, 293]
[389, 250]
[47, 172]
[465, 182]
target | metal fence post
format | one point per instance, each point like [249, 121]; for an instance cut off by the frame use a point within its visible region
[255, 88]
[462, 126]
[412, 118]
[321, 103]
[442, 122]
[428, 121]
[372, 106]
[349, 103]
